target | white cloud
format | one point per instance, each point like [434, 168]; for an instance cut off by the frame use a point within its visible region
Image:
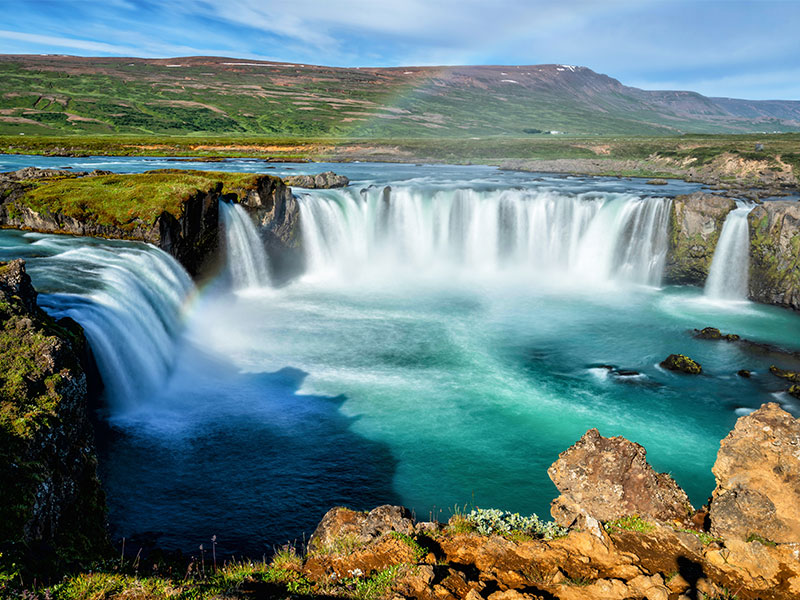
[63, 42]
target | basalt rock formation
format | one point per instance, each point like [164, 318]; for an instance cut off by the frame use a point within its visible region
[609, 478]
[775, 253]
[52, 509]
[274, 207]
[189, 231]
[695, 227]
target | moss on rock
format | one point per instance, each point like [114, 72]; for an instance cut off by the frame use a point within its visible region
[52, 509]
[682, 363]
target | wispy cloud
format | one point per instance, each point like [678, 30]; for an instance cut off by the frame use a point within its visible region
[65, 42]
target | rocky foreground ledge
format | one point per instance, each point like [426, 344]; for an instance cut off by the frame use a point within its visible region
[621, 531]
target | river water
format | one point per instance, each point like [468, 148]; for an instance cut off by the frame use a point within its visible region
[449, 338]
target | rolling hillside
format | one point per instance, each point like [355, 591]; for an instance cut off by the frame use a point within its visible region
[54, 95]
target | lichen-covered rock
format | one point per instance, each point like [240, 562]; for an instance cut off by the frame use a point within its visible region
[52, 510]
[695, 227]
[325, 180]
[775, 253]
[360, 527]
[609, 478]
[682, 363]
[758, 478]
[784, 374]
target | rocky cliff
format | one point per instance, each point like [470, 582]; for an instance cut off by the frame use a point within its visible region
[52, 509]
[695, 227]
[176, 210]
[775, 253]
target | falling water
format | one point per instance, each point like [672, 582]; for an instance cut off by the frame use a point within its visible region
[132, 318]
[247, 259]
[582, 237]
[728, 276]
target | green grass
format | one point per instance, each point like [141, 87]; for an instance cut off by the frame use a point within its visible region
[630, 523]
[127, 201]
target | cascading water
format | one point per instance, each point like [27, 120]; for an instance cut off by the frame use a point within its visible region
[132, 319]
[247, 259]
[585, 236]
[729, 273]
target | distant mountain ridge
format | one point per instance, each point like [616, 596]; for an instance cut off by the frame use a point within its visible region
[56, 94]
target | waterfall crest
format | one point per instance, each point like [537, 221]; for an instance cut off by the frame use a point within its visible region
[590, 236]
[728, 276]
[132, 319]
[247, 260]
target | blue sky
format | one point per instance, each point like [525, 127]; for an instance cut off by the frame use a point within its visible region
[716, 47]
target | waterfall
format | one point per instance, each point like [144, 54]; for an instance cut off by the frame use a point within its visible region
[246, 259]
[590, 236]
[729, 272]
[131, 318]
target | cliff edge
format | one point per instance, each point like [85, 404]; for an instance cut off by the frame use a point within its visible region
[52, 509]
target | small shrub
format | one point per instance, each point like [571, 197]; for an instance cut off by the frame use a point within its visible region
[287, 557]
[489, 521]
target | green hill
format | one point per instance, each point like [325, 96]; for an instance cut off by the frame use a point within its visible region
[49, 95]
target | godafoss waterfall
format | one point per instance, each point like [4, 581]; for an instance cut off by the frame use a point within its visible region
[454, 329]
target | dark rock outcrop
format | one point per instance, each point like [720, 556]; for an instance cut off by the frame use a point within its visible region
[695, 227]
[712, 333]
[52, 509]
[758, 479]
[609, 478]
[682, 364]
[775, 253]
[275, 209]
[325, 180]
[190, 235]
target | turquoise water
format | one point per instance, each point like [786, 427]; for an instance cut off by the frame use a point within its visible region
[398, 377]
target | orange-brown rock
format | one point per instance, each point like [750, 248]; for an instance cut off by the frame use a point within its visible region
[340, 523]
[758, 478]
[609, 478]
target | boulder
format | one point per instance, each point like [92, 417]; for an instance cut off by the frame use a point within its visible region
[325, 180]
[361, 527]
[758, 478]
[682, 363]
[610, 478]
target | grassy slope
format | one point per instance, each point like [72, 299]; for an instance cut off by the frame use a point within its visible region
[123, 200]
[53, 95]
